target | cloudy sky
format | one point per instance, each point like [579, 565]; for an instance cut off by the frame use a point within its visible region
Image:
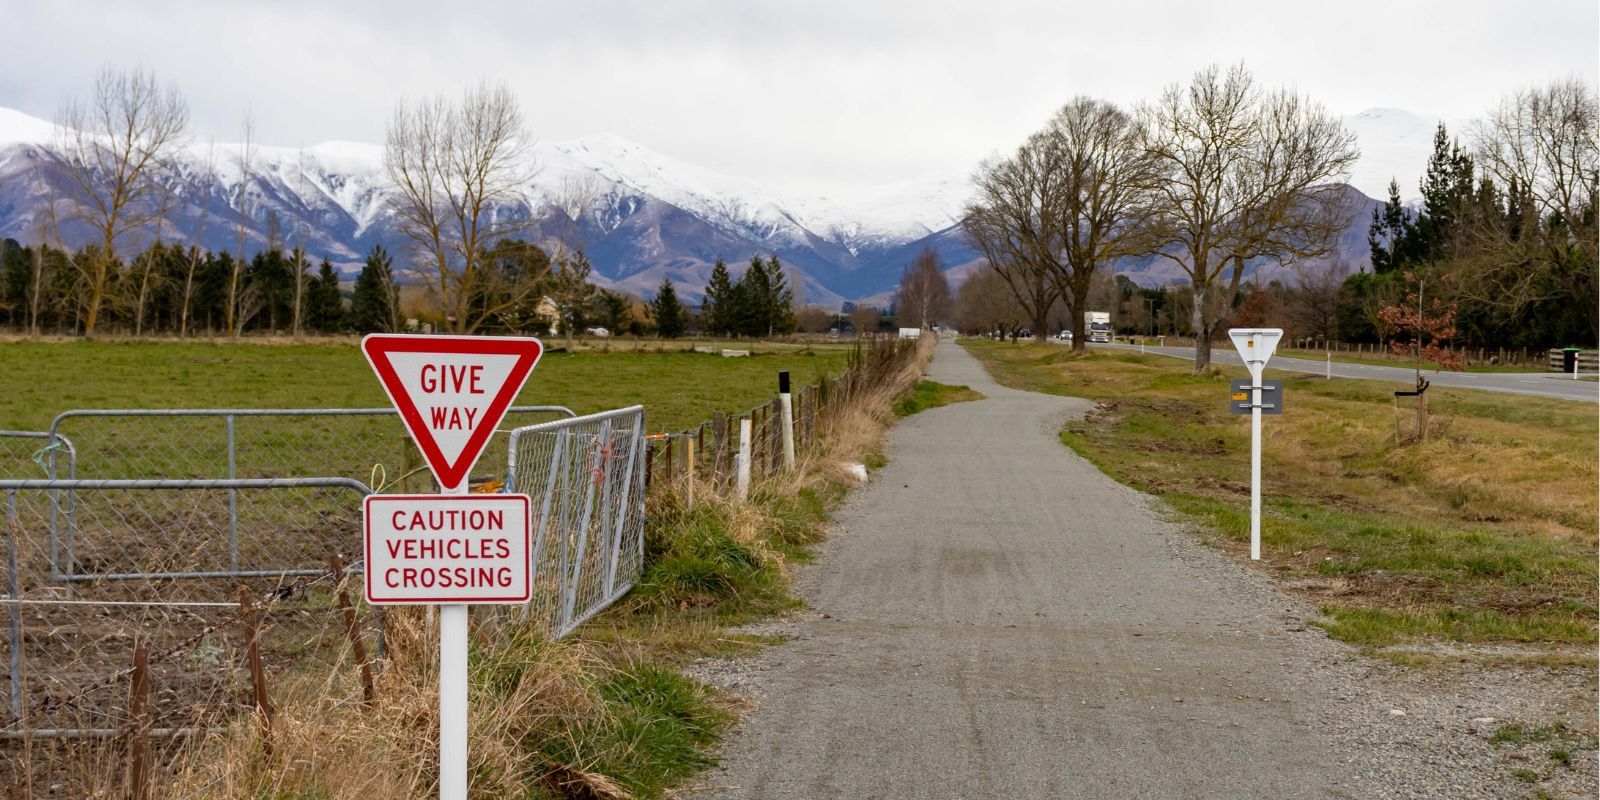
[831, 96]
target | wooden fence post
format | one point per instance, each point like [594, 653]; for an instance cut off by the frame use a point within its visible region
[667, 451]
[258, 677]
[719, 443]
[139, 733]
[353, 629]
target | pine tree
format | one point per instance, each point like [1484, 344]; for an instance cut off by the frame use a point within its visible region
[754, 293]
[325, 305]
[1392, 235]
[718, 308]
[780, 308]
[667, 311]
[1447, 190]
[373, 306]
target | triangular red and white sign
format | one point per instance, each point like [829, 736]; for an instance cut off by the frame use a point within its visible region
[451, 391]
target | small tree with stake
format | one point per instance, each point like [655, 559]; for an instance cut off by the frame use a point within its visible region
[1426, 329]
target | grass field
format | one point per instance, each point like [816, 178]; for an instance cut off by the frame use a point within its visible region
[678, 388]
[1380, 361]
[1485, 533]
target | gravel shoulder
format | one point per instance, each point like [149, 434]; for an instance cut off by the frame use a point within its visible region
[993, 617]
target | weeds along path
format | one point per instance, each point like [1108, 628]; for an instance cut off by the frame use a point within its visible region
[995, 618]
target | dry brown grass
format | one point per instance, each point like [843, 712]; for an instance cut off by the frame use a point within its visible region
[328, 746]
[534, 698]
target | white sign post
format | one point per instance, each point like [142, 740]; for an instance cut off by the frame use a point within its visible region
[455, 548]
[1255, 346]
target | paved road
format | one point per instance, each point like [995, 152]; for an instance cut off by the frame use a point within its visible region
[1540, 384]
[995, 618]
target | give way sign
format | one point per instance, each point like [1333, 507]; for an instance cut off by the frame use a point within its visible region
[451, 391]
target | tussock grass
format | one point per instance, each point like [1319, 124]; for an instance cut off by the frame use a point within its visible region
[1485, 533]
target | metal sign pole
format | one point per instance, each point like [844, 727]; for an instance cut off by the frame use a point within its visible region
[1255, 346]
[453, 695]
[1255, 469]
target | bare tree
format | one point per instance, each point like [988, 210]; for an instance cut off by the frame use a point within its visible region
[242, 214]
[865, 320]
[924, 295]
[297, 259]
[1009, 223]
[456, 168]
[1100, 203]
[985, 304]
[1244, 176]
[113, 148]
[1315, 306]
[193, 256]
[1541, 143]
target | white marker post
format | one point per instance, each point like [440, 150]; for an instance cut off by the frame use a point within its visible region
[1255, 346]
[742, 473]
[451, 392]
[786, 420]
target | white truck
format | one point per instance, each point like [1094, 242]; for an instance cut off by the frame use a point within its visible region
[1097, 326]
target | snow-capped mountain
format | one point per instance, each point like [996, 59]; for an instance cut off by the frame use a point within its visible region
[651, 216]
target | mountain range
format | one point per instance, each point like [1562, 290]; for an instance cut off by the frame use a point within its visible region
[651, 216]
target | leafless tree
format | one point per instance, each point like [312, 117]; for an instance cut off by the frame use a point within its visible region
[1008, 222]
[457, 168]
[194, 255]
[114, 148]
[1314, 308]
[812, 319]
[985, 304]
[1245, 175]
[865, 320]
[297, 257]
[1542, 143]
[1100, 203]
[923, 298]
[242, 213]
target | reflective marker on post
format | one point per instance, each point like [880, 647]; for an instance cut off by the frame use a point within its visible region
[1255, 346]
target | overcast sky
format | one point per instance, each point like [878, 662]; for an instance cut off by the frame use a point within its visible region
[829, 96]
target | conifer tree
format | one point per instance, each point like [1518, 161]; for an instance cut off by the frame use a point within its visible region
[718, 308]
[755, 300]
[374, 307]
[667, 311]
[325, 304]
[781, 306]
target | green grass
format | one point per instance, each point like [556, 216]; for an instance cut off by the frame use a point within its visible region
[1380, 361]
[932, 394]
[1486, 533]
[679, 388]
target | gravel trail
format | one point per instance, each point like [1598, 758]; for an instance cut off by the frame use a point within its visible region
[994, 618]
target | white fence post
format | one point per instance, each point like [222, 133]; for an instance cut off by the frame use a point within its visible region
[742, 482]
[786, 420]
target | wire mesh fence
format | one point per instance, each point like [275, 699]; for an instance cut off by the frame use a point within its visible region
[168, 571]
[586, 479]
[148, 571]
[261, 443]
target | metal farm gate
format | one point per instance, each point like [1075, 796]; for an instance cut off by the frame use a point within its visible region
[178, 531]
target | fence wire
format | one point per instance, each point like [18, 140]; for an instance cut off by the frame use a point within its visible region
[585, 477]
